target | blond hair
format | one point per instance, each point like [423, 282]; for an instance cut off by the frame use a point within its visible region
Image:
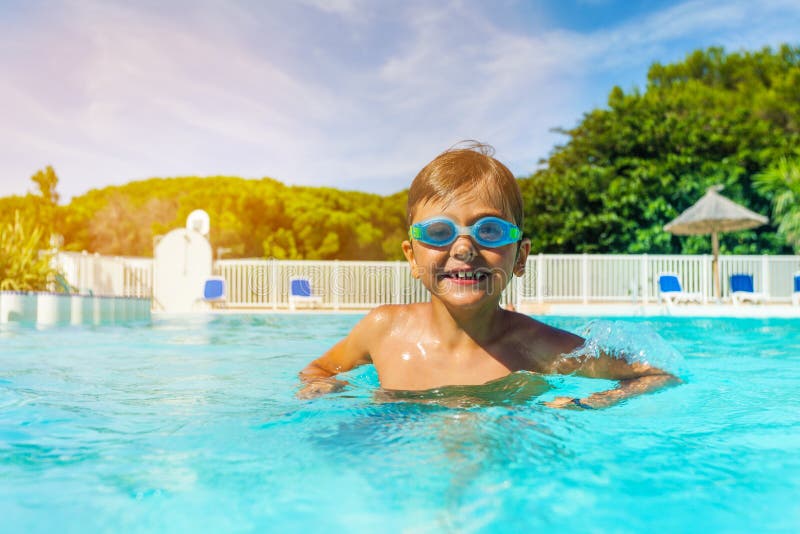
[469, 166]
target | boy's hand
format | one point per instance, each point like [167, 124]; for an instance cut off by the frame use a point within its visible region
[570, 403]
[625, 390]
[320, 386]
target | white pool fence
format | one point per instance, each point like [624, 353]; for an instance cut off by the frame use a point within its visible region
[116, 276]
[567, 278]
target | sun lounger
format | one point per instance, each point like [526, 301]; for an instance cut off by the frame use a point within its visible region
[670, 290]
[300, 293]
[214, 291]
[742, 289]
[796, 290]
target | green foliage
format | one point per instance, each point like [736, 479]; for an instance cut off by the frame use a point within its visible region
[47, 181]
[629, 169]
[781, 183]
[23, 265]
[249, 218]
[40, 207]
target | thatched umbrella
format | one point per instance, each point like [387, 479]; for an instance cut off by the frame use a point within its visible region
[713, 214]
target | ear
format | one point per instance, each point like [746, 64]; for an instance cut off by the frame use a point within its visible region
[522, 257]
[408, 252]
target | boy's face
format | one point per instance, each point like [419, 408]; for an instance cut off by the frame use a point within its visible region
[486, 271]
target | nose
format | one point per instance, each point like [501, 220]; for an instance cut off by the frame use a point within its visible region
[463, 249]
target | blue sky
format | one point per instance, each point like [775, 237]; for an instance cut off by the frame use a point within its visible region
[355, 94]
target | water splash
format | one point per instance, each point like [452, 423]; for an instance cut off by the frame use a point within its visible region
[633, 342]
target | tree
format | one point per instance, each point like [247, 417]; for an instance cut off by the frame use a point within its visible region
[781, 183]
[47, 181]
[249, 218]
[40, 206]
[628, 169]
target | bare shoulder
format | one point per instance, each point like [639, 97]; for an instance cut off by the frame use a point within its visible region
[544, 343]
[543, 333]
[385, 319]
[383, 316]
[374, 324]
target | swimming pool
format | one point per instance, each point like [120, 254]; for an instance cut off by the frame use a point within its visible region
[193, 425]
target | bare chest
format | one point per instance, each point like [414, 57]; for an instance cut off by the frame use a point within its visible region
[408, 364]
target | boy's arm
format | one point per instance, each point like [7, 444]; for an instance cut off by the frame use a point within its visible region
[352, 351]
[634, 379]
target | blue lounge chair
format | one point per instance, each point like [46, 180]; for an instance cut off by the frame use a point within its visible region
[300, 293]
[670, 290]
[742, 289]
[214, 290]
[796, 291]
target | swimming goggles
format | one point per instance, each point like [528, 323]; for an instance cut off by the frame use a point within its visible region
[488, 232]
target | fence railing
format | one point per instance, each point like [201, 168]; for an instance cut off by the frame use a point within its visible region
[107, 275]
[580, 278]
[590, 278]
[339, 284]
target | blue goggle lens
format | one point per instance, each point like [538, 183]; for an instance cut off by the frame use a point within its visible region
[487, 232]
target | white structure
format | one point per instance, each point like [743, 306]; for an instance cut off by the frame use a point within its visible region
[181, 265]
[199, 221]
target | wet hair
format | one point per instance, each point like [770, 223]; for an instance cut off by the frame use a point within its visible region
[467, 167]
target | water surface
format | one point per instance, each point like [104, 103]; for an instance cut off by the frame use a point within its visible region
[194, 425]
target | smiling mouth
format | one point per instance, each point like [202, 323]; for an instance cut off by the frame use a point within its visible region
[466, 276]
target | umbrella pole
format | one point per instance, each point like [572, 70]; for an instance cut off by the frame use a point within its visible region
[715, 264]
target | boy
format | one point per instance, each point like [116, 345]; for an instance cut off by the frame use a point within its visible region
[465, 243]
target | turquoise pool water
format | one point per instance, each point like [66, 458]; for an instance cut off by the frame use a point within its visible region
[193, 426]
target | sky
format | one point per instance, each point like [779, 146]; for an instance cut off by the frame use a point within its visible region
[354, 94]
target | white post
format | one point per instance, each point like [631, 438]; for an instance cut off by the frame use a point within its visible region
[540, 278]
[765, 276]
[336, 286]
[645, 283]
[273, 283]
[585, 278]
[398, 272]
[119, 277]
[93, 274]
[704, 277]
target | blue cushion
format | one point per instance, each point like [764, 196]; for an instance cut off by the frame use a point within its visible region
[742, 282]
[301, 288]
[214, 289]
[669, 282]
[797, 283]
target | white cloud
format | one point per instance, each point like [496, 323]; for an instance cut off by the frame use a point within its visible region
[348, 8]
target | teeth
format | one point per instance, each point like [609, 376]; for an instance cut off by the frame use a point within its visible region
[467, 275]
